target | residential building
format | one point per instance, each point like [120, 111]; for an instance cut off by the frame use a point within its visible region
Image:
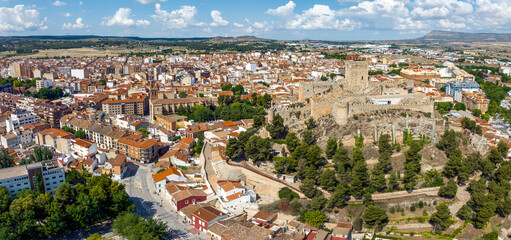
[169, 106]
[475, 100]
[203, 217]
[138, 149]
[17, 178]
[106, 137]
[342, 231]
[136, 104]
[171, 174]
[119, 166]
[43, 83]
[454, 88]
[83, 147]
[20, 117]
[419, 73]
[56, 138]
[172, 122]
[51, 112]
[80, 73]
[89, 164]
[180, 198]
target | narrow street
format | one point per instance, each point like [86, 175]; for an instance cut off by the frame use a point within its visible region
[140, 188]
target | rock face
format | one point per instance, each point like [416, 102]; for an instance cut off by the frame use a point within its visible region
[466, 37]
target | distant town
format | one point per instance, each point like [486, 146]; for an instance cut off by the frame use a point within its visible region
[302, 140]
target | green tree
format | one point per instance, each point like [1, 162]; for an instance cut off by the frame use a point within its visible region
[287, 194]
[375, 216]
[6, 160]
[318, 202]
[412, 165]
[258, 149]
[276, 127]
[38, 182]
[259, 120]
[143, 131]
[454, 164]
[183, 95]
[133, 227]
[340, 196]
[460, 107]
[441, 219]
[308, 137]
[360, 178]
[5, 200]
[331, 148]
[448, 142]
[385, 150]
[484, 213]
[503, 149]
[308, 188]
[292, 141]
[68, 129]
[477, 112]
[342, 161]
[315, 218]
[80, 134]
[327, 180]
[393, 181]
[465, 213]
[378, 180]
[310, 123]
[449, 190]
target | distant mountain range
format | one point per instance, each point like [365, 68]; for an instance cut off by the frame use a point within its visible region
[95, 37]
[465, 37]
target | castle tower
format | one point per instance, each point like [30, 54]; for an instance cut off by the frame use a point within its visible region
[357, 77]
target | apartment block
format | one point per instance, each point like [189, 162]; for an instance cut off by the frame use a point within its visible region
[15, 179]
[50, 112]
[136, 104]
[475, 100]
[138, 149]
[20, 117]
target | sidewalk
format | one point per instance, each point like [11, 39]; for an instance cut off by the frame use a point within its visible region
[165, 203]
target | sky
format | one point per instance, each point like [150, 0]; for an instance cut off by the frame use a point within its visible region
[336, 20]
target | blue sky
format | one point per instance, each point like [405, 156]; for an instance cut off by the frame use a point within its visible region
[277, 19]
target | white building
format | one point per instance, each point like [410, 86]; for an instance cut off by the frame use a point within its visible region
[20, 117]
[251, 67]
[80, 73]
[15, 179]
[43, 83]
[171, 174]
[83, 147]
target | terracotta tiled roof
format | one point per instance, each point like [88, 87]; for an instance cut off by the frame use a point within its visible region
[162, 175]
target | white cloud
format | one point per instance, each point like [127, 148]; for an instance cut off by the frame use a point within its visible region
[123, 17]
[317, 17]
[218, 21]
[348, 1]
[78, 25]
[67, 14]
[249, 30]
[283, 11]
[20, 18]
[320, 17]
[59, 3]
[150, 1]
[81, 3]
[238, 25]
[177, 19]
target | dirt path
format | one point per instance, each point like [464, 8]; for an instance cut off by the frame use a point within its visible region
[423, 192]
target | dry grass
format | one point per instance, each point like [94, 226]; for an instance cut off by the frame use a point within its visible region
[72, 52]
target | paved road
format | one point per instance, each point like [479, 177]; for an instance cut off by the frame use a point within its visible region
[140, 188]
[208, 165]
